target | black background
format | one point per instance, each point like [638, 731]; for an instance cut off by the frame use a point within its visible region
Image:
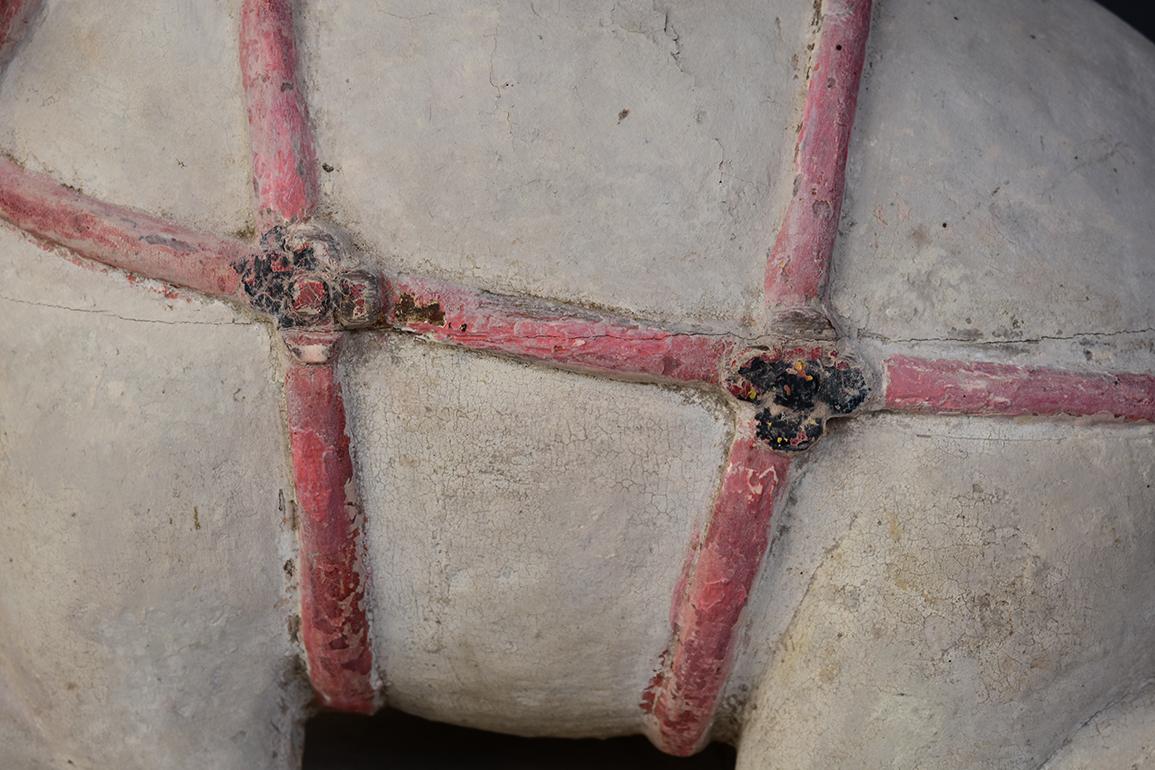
[1140, 15]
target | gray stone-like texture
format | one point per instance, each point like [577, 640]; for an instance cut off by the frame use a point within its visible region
[999, 184]
[143, 616]
[1121, 736]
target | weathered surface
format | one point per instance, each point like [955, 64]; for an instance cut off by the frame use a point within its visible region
[983, 388]
[16, 18]
[799, 263]
[334, 612]
[1122, 735]
[525, 528]
[528, 528]
[616, 153]
[280, 142]
[970, 222]
[796, 389]
[136, 103]
[712, 593]
[976, 590]
[118, 236]
[565, 336]
[144, 616]
[999, 178]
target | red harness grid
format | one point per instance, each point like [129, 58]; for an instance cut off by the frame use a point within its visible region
[317, 302]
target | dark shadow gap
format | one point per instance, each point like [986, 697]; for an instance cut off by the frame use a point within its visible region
[1140, 15]
[400, 742]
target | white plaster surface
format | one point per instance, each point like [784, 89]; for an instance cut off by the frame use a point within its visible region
[1122, 736]
[1025, 127]
[490, 142]
[136, 102]
[988, 586]
[947, 593]
[143, 607]
[525, 531]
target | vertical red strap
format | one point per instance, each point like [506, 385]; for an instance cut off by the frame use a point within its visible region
[13, 15]
[709, 600]
[800, 258]
[334, 625]
[284, 162]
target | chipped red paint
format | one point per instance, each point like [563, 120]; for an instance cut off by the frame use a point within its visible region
[334, 624]
[281, 142]
[554, 333]
[683, 696]
[800, 258]
[118, 236]
[709, 599]
[711, 593]
[981, 388]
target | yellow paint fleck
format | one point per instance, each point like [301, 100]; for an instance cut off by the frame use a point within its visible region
[893, 527]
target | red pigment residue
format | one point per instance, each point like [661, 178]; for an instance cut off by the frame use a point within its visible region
[800, 258]
[981, 388]
[708, 607]
[555, 334]
[334, 625]
[281, 142]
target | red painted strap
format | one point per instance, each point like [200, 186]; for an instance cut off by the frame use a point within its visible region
[284, 162]
[979, 388]
[118, 236]
[800, 259]
[334, 626]
[554, 333]
[708, 602]
[13, 14]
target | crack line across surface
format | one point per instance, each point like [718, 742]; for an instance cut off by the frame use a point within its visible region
[1010, 341]
[1022, 440]
[109, 314]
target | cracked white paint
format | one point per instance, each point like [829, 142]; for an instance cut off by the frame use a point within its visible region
[118, 316]
[623, 154]
[953, 592]
[143, 616]
[525, 529]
